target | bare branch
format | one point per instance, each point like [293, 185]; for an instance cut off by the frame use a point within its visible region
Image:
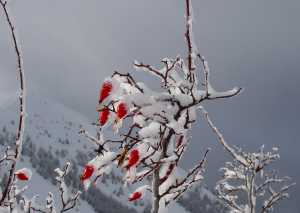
[21, 127]
[67, 201]
[224, 144]
[275, 197]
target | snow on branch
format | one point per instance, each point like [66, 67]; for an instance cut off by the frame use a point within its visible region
[240, 159]
[8, 202]
[18, 145]
[159, 120]
[245, 168]
[181, 186]
[67, 201]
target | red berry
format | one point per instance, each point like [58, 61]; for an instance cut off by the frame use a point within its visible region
[105, 90]
[104, 116]
[136, 196]
[122, 110]
[22, 176]
[133, 158]
[87, 172]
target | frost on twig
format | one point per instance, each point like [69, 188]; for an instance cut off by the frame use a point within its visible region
[246, 167]
[68, 202]
[13, 157]
[8, 202]
[25, 205]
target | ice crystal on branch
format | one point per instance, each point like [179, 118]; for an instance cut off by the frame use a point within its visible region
[246, 167]
[160, 121]
[26, 205]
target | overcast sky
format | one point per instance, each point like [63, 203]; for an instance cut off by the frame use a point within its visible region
[70, 46]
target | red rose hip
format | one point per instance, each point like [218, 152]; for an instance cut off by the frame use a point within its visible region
[104, 114]
[122, 110]
[22, 176]
[105, 91]
[133, 159]
[136, 196]
[87, 173]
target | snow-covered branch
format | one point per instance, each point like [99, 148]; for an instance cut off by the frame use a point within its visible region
[67, 201]
[275, 197]
[8, 202]
[245, 168]
[18, 145]
[181, 186]
[158, 119]
[224, 144]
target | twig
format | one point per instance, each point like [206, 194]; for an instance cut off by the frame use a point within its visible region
[21, 127]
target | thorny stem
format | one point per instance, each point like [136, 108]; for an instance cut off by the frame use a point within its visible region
[188, 39]
[250, 193]
[155, 189]
[129, 80]
[156, 180]
[225, 146]
[73, 200]
[188, 175]
[22, 105]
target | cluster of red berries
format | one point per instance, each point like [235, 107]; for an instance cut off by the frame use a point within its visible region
[121, 112]
[122, 108]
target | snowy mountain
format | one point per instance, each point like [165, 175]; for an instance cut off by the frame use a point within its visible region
[51, 140]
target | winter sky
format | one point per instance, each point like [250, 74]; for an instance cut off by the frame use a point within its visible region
[70, 46]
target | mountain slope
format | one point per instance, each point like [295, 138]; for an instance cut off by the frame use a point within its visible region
[51, 140]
